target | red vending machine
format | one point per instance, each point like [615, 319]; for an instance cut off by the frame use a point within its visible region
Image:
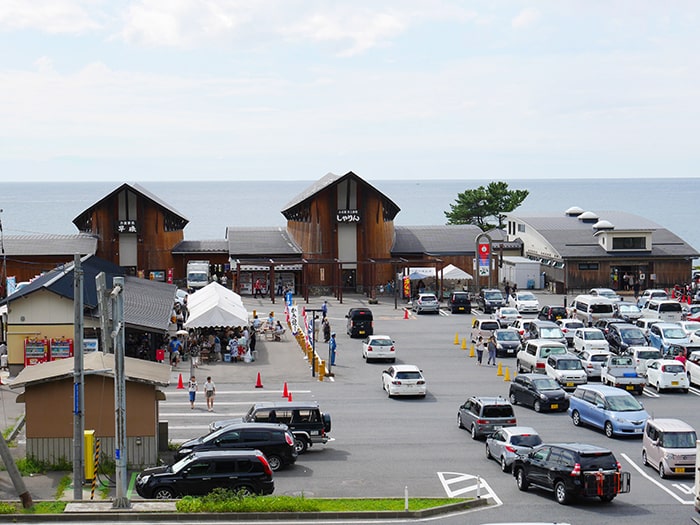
[61, 348]
[35, 351]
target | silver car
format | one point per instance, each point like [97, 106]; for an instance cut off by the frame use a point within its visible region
[426, 302]
[505, 444]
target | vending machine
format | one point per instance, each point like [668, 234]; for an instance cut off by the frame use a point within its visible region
[60, 349]
[35, 351]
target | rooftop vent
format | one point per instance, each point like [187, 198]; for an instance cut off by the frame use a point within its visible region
[574, 211]
[588, 216]
[603, 225]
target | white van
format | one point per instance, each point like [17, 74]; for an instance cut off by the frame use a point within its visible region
[590, 308]
[668, 445]
[670, 311]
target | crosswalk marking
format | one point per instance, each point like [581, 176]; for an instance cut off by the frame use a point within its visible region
[467, 483]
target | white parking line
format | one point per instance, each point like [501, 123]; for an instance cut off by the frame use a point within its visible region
[650, 393]
[655, 482]
[467, 483]
[694, 390]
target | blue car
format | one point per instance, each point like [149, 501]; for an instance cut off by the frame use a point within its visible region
[663, 335]
[614, 411]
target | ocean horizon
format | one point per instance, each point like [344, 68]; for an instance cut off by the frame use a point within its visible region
[212, 206]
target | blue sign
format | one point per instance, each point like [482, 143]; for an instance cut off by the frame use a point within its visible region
[288, 299]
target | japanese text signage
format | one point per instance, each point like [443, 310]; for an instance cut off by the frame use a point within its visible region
[347, 216]
[484, 255]
[130, 226]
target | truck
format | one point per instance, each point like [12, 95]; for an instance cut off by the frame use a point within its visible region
[620, 371]
[197, 274]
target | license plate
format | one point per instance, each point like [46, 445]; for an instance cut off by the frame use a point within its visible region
[460, 308]
[570, 384]
[497, 427]
[629, 387]
[679, 469]
[674, 383]
[361, 332]
[510, 351]
[638, 430]
[554, 406]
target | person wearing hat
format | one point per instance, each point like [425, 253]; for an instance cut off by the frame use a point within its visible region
[332, 348]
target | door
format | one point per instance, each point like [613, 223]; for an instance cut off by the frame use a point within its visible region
[196, 479]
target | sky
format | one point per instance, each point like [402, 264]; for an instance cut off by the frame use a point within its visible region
[158, 90]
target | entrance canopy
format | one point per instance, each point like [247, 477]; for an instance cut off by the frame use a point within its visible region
[215, 306]
[454, 273]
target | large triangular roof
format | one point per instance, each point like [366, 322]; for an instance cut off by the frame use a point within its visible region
[329, 180]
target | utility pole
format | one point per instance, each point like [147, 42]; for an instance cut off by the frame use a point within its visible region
[78, 380]
[102, 298]
[120, 450]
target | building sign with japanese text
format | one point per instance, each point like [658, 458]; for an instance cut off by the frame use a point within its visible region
[347, 216]
[127, 226]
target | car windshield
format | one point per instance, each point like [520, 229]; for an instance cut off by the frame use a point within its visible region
[551, 333]
[623, 404]
[572, 325]
[599, 358]
[552, 350]
[428, 298]
[648, 354]
[594, 336]
[380, 342]
[601, 309]
[408, 375]
[673, 333]
[491, 296]
[498, 411]
[630, 333]
[670, 307]
[677, 440]
[629, 309]
[513, 311]
[526, 296]
[507, 336]
[569, 364]
[526, 440]
[692, 327]
[674, 369]
[179, 465]
[607, 293]
[545, 384]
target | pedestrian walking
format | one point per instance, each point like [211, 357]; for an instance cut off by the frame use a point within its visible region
[326, 331]
[479, 350]
[324, 309]
[192, 389]
[492, 351]
[209, 393]
[332, 347]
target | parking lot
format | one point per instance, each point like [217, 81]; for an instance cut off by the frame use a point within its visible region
[385, 447]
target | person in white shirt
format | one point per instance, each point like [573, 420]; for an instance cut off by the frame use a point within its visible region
[209, 393]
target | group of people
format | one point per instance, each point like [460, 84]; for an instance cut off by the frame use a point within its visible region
[490, 346]
[209, 392]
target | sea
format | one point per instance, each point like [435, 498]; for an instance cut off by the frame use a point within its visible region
[212, 206]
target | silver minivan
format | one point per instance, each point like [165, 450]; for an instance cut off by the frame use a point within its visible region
[590, 308]
[668, 445]
[670, 311]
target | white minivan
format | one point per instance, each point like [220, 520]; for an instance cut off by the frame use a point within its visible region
[590, 308]
[666, 310]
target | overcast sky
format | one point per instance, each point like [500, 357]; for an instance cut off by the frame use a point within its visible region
[292, 89]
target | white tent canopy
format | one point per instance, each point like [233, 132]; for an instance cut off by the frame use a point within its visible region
[215, 305]
[452, 272]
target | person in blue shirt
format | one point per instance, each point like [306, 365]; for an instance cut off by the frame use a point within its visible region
[332, 346]
[175, 348]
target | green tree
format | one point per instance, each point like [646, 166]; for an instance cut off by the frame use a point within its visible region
[479, 205]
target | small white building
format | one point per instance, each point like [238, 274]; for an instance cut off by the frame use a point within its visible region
[523, 272]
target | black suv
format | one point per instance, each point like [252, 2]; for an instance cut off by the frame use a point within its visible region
[552, 313]
[360, 322]
[489, 300]
[623, 335]
[274, 440]
[199, 473]
[570, 470]
[460, 302]
[482, 416]
[304, 419]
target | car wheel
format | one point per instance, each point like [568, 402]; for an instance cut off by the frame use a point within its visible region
[513, 400]
[393, 360]
[521, 480]
[609, 429]
[518, 367]
[163, 493]
[243, 491]
[576, 418]
[488, 452]
[685, 390]
[301, 445]
[473, 431]
[658, 388]
[504, 466]
[607, 498]
[662, 471]
[561, 493]
[537, 406]
[645, 461]
[275, 462]
[459, 421]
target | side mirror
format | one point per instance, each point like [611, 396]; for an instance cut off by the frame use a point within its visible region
[600, 406]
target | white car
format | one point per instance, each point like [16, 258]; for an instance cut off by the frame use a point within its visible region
[592, 361]
[608, 293]
[378, 347]
[404, 380]
[506, 315]
[524, 302]
[643, 354]
[667, 374]
[569, 327]
[692, 367]
[590, 339]
[690, 327]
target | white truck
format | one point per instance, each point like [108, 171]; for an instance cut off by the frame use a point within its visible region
[621, 371]
[197, 274]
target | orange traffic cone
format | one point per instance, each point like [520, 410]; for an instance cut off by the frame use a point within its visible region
[285, 392]
[180, 384]
[405, 313]
[258, 383]
[290, 397]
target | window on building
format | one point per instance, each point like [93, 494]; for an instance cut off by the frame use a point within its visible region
[629, 243]
[521, 228]
[588, 266]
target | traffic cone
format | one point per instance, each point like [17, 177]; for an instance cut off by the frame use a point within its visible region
[500, 369]
[405, 313]
[285, 392]
[506, 377]
[464, 343]
[289, 397]
[471, 351]
[180, 384]
[456, 338]
[258, 383]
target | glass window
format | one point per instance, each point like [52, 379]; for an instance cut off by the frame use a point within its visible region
[629, 243]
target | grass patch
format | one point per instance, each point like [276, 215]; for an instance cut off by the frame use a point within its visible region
[221, 500]
[40, 507]
[63, 484]
[28, 466]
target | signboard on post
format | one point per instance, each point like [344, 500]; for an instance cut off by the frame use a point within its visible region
[484, 256]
